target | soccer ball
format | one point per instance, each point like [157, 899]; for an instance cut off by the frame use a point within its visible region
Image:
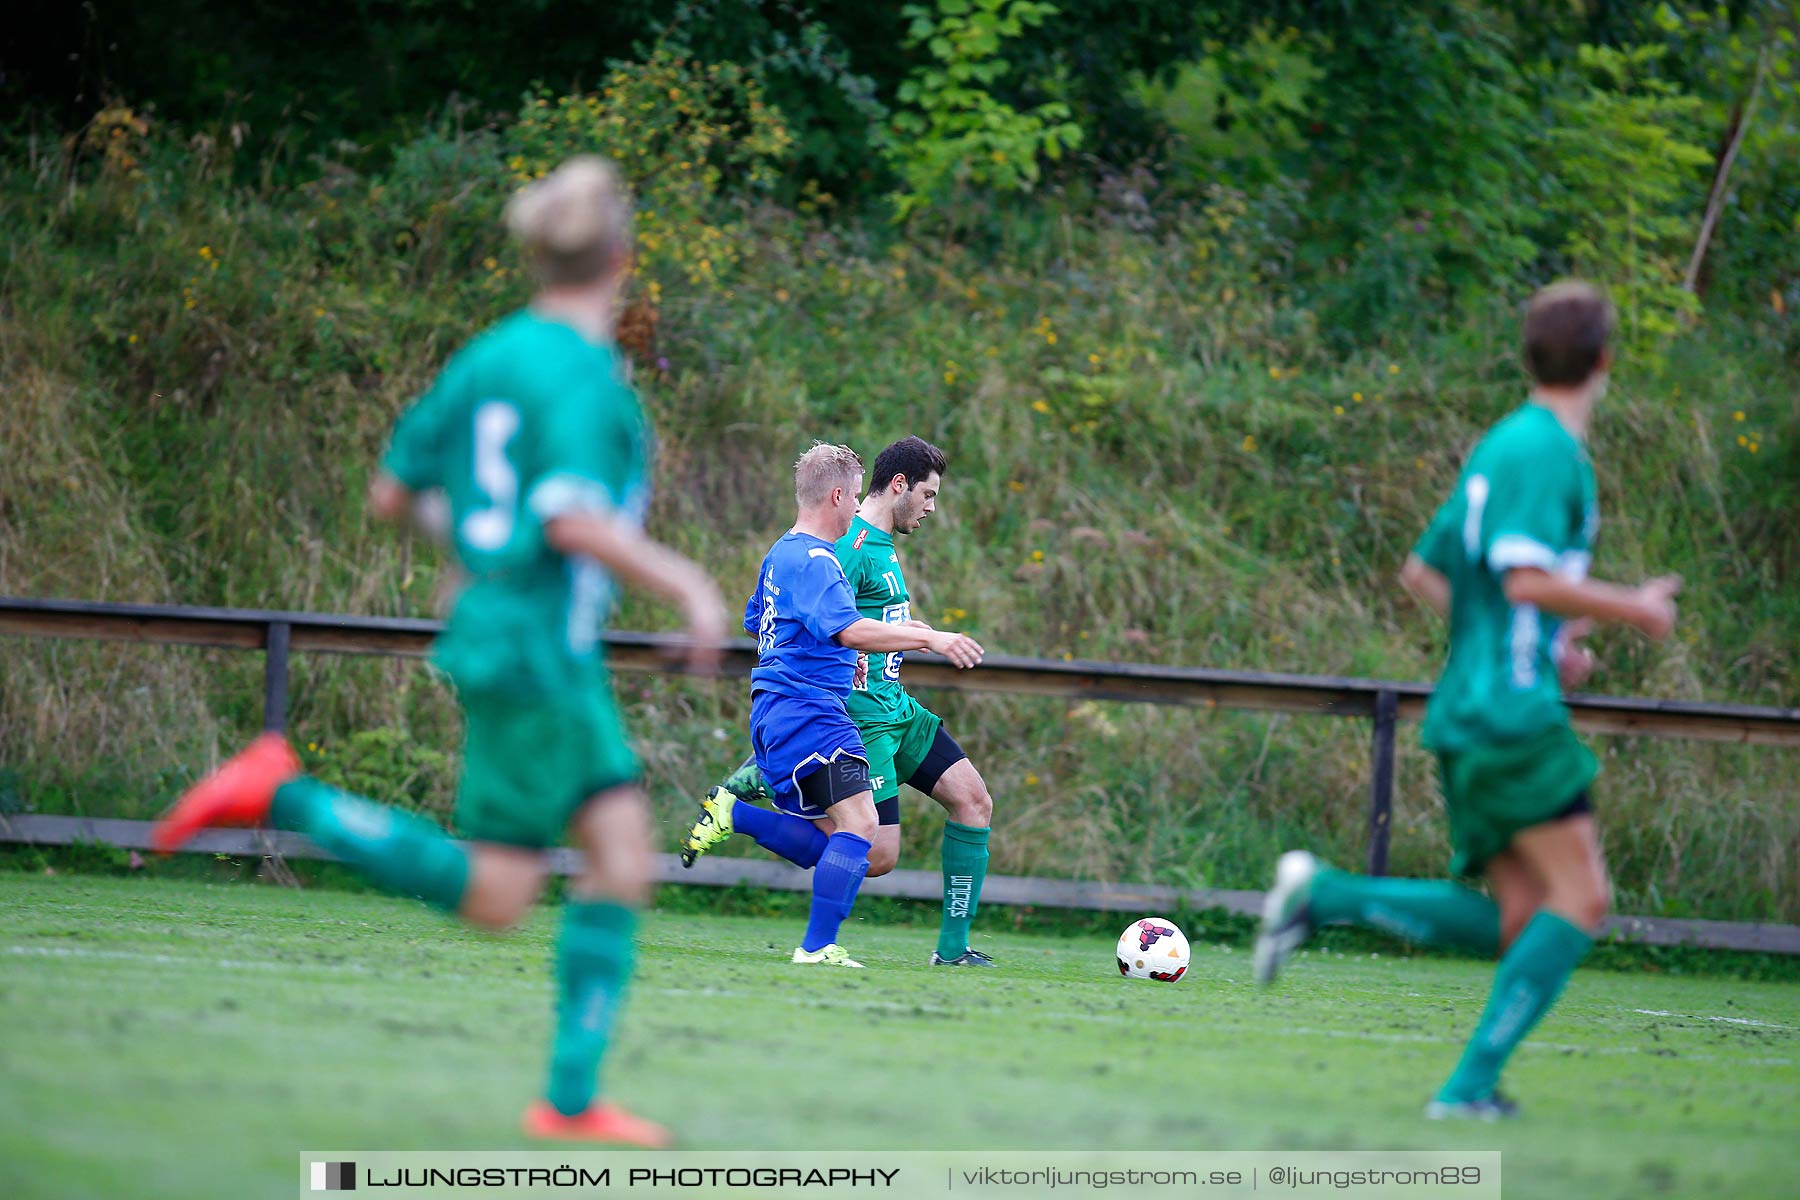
[1153, 949]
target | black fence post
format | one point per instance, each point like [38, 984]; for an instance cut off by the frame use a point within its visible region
[275, 677]
[1381, 781]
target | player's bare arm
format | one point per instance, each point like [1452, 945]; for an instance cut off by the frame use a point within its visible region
[878, 637]
[1426, 584]
[389, 499]
[644, 563]
[1649, 608]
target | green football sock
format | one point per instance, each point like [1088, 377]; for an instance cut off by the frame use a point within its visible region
[593, 962]
[1437, 911]
[965, 867]
[1527, 983]
[396, 850]
[747, 783]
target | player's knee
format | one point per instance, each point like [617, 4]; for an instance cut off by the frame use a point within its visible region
[978, 808]
[857, 819]
[1584, 904]
[503, 883]
[1594, 903]
[882, 859]
[624, 873]
[496, 912]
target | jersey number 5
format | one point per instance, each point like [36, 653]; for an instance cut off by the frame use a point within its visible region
[491, 528]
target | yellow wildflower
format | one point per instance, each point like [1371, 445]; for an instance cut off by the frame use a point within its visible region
[1738, 416]
[1037, 556]
[1039, 406]
[1393, 368]
[1338, 409]
[1356, 396]
[1250, 442]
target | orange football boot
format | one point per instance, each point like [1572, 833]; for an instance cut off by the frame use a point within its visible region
[238, 793]
[596, 1123]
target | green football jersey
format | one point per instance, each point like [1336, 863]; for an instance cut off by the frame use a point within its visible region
[528, 422]
[1525, 499]
[873, 569]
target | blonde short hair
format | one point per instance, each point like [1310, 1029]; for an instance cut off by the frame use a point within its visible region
[823, 468]
[575, 222]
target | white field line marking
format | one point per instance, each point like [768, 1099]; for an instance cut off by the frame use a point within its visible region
[233, 964]
[535, 985]
[1429, 1039]
[241, 964]
[1657, 1012]
[229, 964]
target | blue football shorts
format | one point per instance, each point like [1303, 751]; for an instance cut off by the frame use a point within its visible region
[794, 738]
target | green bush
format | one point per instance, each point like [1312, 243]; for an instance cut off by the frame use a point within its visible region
[680, 129]
[1630, 183]
[952, 131]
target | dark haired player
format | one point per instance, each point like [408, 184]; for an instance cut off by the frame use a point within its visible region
[906, 742]
[809, 632]
[1506, 559]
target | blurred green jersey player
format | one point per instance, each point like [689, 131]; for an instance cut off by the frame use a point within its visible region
[540, 452]
[906, 742]
[1506, 558]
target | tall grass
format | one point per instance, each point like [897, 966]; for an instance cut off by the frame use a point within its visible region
[1155, 456]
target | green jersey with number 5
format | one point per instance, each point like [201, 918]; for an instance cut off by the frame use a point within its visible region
[873, 569]
[529, 422]
[1525, 499]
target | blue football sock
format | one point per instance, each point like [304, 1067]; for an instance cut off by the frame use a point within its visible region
[835, 882]
[794, 838]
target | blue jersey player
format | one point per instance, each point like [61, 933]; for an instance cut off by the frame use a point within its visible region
[808, 631]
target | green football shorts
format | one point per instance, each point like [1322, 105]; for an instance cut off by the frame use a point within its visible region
[897, 746]
[529, 764]
[1494, 792]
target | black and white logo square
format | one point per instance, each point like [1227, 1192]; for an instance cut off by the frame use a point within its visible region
[334, 1177]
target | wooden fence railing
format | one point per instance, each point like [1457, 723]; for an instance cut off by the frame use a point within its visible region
[1382, 702]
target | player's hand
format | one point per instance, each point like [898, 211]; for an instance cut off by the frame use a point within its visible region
[962, 650]
[1655, 603]
[1574, 662]
[704, 613]
[860, 681]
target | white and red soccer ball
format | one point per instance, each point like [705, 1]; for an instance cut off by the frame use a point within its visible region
[1153, 949]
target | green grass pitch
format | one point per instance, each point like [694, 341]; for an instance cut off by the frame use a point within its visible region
[158, 1038]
